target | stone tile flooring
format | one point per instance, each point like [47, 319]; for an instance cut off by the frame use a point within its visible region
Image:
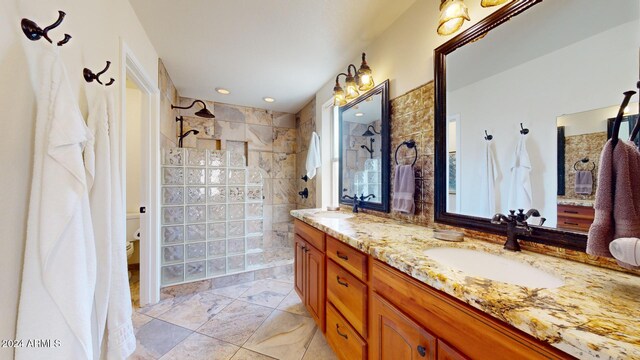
[259, 320]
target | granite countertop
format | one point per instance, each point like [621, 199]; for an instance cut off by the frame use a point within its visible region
[596, 314]
[576, 202]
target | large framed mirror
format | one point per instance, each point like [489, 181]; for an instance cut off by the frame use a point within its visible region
[364, 149]
[537, 92]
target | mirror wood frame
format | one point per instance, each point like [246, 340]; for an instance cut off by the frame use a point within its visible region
[385, 137]
[547, 236]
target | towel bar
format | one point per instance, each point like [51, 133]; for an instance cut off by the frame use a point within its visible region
[411, 144]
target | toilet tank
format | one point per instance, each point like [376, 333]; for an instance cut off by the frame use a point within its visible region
[133, 224]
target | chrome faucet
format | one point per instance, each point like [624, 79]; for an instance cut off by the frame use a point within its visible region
[516, 226]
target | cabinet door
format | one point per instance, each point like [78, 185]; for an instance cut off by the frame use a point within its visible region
[315, 285]
[394, 336]
[446, 352]
[299, 267]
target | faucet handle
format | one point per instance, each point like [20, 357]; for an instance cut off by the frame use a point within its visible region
[542, 220]
[512, 212]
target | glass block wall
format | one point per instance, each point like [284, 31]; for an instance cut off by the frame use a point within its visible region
[211, 215]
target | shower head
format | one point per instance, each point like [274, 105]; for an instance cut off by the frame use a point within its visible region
[369, 133]
[203, 113]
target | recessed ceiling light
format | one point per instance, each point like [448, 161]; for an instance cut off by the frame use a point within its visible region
[359, 114]
[269, 99]
[223, 91]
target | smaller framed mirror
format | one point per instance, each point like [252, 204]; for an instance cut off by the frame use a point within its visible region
[364, 150]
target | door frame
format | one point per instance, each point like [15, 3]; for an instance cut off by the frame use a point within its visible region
[150, 173]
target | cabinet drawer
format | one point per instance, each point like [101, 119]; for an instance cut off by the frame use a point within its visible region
[348, 295]
[579, 212]
[313, 236]
[347, 257]
[574, 223]
[344, 340]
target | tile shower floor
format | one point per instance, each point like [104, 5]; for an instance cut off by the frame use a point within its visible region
[258, 320]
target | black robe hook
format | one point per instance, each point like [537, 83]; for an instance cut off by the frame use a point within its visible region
[523, 130]
[487, 136]
[89, 76]
[34, 32]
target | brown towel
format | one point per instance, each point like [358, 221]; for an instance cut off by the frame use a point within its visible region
[617, 204]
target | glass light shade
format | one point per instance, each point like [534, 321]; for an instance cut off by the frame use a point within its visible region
[366, 81]
[338, 97]
[352, 88]
[490, 3]
[365, 77]
[453, 13]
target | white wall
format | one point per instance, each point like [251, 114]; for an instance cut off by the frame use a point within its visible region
[97, 27]
[593, 121]
[573, 79]
[134, 148]
[404, 52]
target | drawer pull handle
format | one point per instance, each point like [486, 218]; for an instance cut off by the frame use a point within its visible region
[341, 334]
[570, 223]
[342, 256]
[570, 212]
[422, 351]
[345, 284]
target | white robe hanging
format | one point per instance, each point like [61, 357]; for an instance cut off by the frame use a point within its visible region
[520, 196]
[488, 177]
[112, 310]
[59, 272]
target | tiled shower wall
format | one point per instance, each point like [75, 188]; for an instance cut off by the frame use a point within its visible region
[305, 125]
[269, 141]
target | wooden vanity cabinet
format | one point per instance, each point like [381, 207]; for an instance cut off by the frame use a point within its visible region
[396, 336]
[375, 311]
[309, 270]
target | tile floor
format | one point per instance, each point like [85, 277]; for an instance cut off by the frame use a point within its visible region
[258, 320]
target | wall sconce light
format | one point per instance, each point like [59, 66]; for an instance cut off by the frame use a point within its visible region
[360, 80]
[203, 113]
[365, 75]
[490, 3]
[453, 13]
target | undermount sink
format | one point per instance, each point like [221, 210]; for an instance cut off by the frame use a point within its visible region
[493, 267]
[332, 215]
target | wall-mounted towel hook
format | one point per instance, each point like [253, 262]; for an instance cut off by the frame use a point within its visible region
[523, 130]
[89, 76]
[584, 161]
[615, 134]
[487, 136]
[305, 178]
[34, 32]
[411, 144]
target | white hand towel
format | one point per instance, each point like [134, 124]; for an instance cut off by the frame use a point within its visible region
[59, 273]
[626, 250]
[520, 196]
[313, 156]
[112, 299]
[488, 182]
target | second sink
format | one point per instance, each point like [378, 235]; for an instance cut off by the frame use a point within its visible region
[493, 267]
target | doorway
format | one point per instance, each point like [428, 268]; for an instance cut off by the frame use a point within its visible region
[140, 159]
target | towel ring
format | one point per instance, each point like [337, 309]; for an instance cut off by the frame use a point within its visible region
[584, 161]
[411, 144]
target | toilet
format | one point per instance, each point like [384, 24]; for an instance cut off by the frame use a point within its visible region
[133, 235]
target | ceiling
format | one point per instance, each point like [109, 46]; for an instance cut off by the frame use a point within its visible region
[546, 27]
[284, 49]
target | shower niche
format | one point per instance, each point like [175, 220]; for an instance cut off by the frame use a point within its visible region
[212, 215]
